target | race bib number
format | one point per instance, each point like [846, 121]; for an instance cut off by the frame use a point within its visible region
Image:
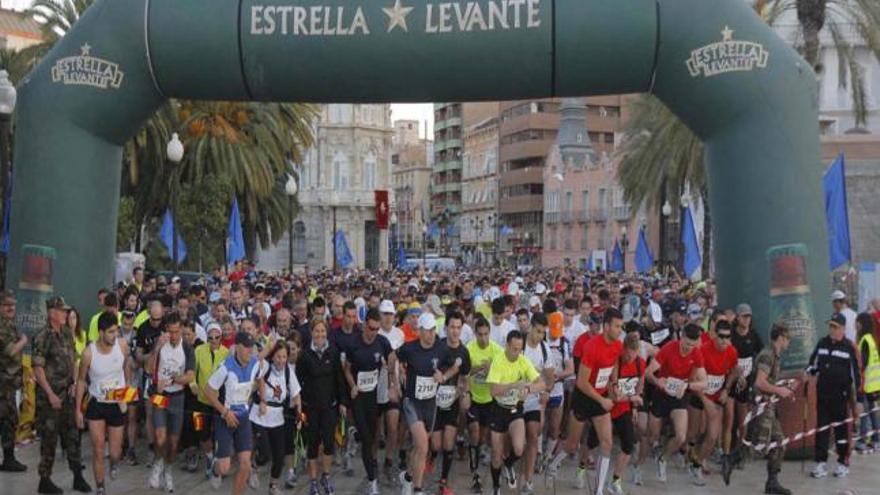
[426, 387]
[108, 386]
[675, 387]
[659, 336]
[715, 384]
[603, 376]
[745, 366]
[446, 395]
[367, 380]
[480, 376]
[240, 394]
[626, 387]
[511, 398]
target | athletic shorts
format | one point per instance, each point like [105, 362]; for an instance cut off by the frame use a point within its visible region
[170, 418]
[480, 413]
[662, 404]
[447, 417]
[532, 416]
[584, 407]
[388, 406]
[622, 428]
[744, 396]
[207, 432]
[556, 402]
[503, 416]
[420, 411]
[107, 412]
[234, 441]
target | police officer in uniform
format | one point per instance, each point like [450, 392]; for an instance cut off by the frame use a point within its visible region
[53, 359]
[11, 344]
[766, 428]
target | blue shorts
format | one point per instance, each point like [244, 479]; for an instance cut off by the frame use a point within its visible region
[555, 402]
[238, 440]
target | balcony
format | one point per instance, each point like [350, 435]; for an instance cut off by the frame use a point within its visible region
[445, 188]
[524, 149]
[439, 146]
[621, 213]
[551, 217]
[599, 214]
[521, 204]
[450, 144]
[567, 216]
[583, 216]
[527, 175]
[447, 166]
[452, 121]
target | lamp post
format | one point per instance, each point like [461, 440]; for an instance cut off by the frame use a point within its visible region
[395, 238]
[8, 96]
[424, 245]
[624, 243]
[665, 211]
[174, 150]
[685, 202]
[290, 190]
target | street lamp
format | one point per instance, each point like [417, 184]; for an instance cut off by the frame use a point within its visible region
[7, 105]
[667, 209]
[424, 245]
[174, 151]
[396, 237]
[624, 243]
[290, 190]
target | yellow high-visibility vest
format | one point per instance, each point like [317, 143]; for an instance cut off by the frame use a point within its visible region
[872, 371]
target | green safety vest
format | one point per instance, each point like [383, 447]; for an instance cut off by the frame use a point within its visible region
[872, 371]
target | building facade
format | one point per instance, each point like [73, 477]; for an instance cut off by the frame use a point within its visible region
[479, 192]
[338, 179]
[18, 30]
[411, 166]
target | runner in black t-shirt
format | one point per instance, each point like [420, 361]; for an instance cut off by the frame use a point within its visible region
[452, 397]
[428, 363]
[345, 338]
[748, 345]
[361, 366]
[147, 335]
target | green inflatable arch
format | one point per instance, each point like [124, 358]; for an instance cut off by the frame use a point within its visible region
[748, 95]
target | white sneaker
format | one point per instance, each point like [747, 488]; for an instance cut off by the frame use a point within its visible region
[156, 475]
[580, 478]
[373, 488]
[169, 481]
[637, 475]
[274, 490]
[528, 488]
[215, 479]
[697, 475]
[114, 471]
[254, 479]
[661, 470]
[819, 471]
[510, 474]
[291, 478]
[615, 488]
[406, 487]
[841, 471]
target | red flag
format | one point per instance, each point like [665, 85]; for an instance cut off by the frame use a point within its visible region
[382, 209]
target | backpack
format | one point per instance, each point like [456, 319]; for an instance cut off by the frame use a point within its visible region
[256, 395]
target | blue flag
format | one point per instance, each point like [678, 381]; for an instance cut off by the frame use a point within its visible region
[616, 258]
[401, 255]
[166, 235]
[692, 257]
[836, 215]
[644, 259]
[343, 254]
[235, 236]
[7, 207]
[505, 230]
[589, 264]
[434, 230]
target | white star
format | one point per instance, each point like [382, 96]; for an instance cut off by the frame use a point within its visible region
[727, 33]
[86, 49]
[397, 16]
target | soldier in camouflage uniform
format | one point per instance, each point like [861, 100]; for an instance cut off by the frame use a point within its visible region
[54, 356]
[766, 428]
[11, 344]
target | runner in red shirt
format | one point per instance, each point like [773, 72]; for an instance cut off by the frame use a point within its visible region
[720, 360]
[627, 391]
[598, 359]
[677, 368]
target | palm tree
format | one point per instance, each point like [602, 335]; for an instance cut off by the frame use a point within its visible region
[660, 155]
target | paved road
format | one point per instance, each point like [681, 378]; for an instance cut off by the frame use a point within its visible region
[863, 480]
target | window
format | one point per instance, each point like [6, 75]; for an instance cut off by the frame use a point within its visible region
[370, 171]
[567, 236]
[553, 238]
[299, 242]
[339, 113]
[341, 171]
[603, 199]
[585, 237]
[586, 200]
[569, 201]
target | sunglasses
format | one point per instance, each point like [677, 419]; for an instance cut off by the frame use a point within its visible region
[724, 336]
[214, 338]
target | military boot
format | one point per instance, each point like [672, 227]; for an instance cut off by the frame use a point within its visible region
[79, 483]
[10, 463]
[773, 487]
[46, 486]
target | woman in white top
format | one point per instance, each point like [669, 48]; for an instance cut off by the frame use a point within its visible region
[106, 365]
[278, 391]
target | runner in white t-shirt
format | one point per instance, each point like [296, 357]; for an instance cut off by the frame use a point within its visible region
[538, 352]
[499, 326]
[388, 408]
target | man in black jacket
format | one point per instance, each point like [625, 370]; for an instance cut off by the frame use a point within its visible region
[834, 361]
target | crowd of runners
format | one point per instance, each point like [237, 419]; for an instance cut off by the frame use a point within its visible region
[285, 380]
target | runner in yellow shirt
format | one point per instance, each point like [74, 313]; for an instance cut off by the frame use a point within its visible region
[482, 351]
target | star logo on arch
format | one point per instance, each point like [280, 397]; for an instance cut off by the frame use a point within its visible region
[727, 33]
[397, 16]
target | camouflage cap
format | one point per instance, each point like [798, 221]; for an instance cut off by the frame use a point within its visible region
[56, 302]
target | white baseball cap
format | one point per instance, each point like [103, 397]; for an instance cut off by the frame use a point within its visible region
[427, 322]
[837, 295]
[387, 307]
[534, 301]
[518, 280]
[540, 288]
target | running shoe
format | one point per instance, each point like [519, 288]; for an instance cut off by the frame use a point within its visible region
[192, 462]
[327, 485]
[661, 470]
[510, 474]
[156, 475]
[841, 471]
[169, 481]
[528, 488]
[697, 475]
[819, 471]
[274, 490]
[290, 479]
[215, 479]
[615, 488]
[114, 470]
[373, 488]
[637, 476]
[406, 487]
[254, 479]
[131, 457]
[580, 477]
[313, 488]
[476, 486]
